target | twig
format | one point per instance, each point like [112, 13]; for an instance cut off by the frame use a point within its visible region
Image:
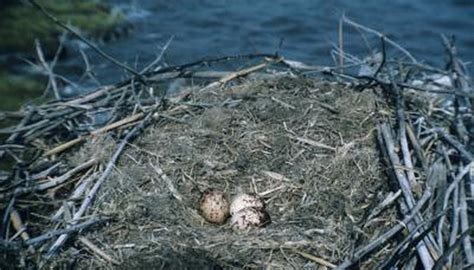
[6, 218]
[391, 42]
[78, 192]
[92, 247]
[457, 145]
[422, 248]
[168, 181]
[233, 76]
[442, 260]
[312, 143]
[364, 251]
[207, 61]
[18, 225]
[88, 72]
[88, 200]
[410, 241]
[454, 221]
[417, 148]
[86, 41]
[73, 228]
[158, 58]
[391, 198]
[54, 182]
[450, 189]
[316, 259]
[384, 58]
[48, 69]
[283, 104]
[467, 246]
[400, 109]
[71, 143]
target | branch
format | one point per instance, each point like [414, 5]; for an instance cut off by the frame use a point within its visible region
[85, 40]
[88, 199]
[361, 253]
[380, 35]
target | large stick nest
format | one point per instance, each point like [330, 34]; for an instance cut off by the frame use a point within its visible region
[371, 169]
[307, 146]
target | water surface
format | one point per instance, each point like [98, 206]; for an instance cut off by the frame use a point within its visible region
[308, 28]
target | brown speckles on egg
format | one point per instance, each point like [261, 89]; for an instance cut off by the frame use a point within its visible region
[243, 201]
[214, 206]
[250, 217]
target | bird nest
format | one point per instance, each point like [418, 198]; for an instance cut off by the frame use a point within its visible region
[306, 146]
[371, 167]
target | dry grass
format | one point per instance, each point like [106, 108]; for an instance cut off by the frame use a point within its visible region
[306, 146]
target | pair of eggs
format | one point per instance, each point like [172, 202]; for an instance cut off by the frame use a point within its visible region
[246, 210]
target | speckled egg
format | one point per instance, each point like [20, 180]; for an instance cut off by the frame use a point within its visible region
[214, 206]
[244, 200]
[250, 217]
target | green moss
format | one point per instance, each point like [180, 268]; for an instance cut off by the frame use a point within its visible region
[15, 90]
[22, 24]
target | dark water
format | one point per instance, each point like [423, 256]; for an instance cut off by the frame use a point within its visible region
[309, 28]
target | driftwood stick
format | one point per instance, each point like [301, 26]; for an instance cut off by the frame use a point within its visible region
[20, 128]
[403, 85]
[73, 228]
[364, 251]
[400, 109]
[423, 251]
[391, 198]
[234, 76]
[466, 155]
[88, 200]
[396, 164]
[78, 192]
[208, 61]
[45, 173]
[54, 182]
[315, 259]
[470, 183]
[457, 71]
[467, 246]
[18, 224]
[6, 218]
[454, 221]
[437, 179]
[442, 260]
[417, 148]
[96, 250]
[407, 158]
[71, 143]
[14, 136]
[449, 190]
[409, 242]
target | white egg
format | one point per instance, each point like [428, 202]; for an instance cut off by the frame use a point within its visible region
[243, 201]
[249, 217]
[214, 206]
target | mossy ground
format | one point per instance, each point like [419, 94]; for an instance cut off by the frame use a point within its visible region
[15, 90]
[22, 24]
